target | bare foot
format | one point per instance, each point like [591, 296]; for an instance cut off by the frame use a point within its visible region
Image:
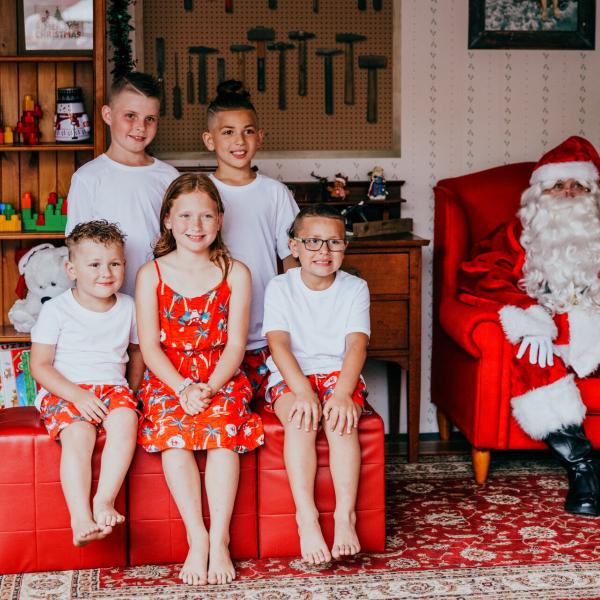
[105, 514]
[220, 567]
[87, 531]
[557, 13]
[345, 540]
[193, 571]
[312, 544]
[545, 14]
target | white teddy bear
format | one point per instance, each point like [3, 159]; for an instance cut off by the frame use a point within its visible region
[46, 277]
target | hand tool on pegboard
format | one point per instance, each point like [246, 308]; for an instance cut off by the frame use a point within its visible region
[282, 48]
[362, 4]
[261, 35]
[188, 5]
[240, 50]
[349, 39]
[159, 47]
[220, 70]
[190, 82]
[177, 110]
[228, 6]
[328, 54]
[377, 4]
[202, 52]
[315, 6]
[273, 4]
[301, 38]
[372, 63]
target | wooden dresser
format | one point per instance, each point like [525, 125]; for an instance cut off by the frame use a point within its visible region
[391, 265]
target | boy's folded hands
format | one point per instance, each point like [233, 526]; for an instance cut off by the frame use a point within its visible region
[341, 413]
[306, 408]
[90, 407]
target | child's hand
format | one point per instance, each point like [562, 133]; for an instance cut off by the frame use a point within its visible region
[341, 413]
[91, 408]
[306, 406]
[195, 399]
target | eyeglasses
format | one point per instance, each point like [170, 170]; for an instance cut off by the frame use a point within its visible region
[315, 244]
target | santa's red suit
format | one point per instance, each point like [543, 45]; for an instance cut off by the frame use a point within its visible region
[540, 271]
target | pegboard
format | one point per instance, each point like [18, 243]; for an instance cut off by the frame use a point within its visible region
[303, 125]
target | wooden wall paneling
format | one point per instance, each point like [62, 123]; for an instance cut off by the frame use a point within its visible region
[84, 78]
[65, 163]
[47, 99]
[8, 35]
[10, 277]
[28, 170]
[10, 107]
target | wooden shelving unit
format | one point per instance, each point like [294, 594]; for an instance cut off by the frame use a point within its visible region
[46, 167]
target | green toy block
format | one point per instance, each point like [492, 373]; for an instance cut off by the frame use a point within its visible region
[53, 220]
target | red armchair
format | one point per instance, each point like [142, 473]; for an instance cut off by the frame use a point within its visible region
[471, 356]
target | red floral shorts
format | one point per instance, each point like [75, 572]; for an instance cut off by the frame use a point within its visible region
[323, 385]
[58, 413]
[255, 368]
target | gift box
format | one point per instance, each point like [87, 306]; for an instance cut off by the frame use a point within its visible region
[17, 386]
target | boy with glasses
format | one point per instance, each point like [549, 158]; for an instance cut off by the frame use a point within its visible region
[317, 325]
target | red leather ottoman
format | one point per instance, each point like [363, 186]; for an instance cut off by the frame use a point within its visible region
[277, 530]
[156, 531]
[35, 534]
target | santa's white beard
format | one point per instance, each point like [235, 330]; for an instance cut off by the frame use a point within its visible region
[561, 238]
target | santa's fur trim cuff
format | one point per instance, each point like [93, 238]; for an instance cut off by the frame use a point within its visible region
[549, 408]
[518, 322]
[552, 172]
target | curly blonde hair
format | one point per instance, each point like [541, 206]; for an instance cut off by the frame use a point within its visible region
[187, 184]
[99, 231]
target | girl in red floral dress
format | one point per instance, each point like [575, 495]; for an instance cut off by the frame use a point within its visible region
[193, 306]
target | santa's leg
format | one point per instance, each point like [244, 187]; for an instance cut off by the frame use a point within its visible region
[547, 404]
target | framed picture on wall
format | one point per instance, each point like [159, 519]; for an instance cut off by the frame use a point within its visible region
[533, 24]
[55, 27]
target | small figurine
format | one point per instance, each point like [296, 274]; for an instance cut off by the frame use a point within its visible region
[28, 126]
[338, 189]
[377, 189]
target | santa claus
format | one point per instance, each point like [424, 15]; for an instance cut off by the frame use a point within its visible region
[541, 270]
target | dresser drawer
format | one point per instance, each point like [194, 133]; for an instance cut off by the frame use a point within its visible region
[389, 325]
[385, 273]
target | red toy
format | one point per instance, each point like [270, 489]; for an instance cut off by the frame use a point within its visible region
[28, 128]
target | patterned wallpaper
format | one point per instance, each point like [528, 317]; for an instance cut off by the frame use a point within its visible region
[464, 111]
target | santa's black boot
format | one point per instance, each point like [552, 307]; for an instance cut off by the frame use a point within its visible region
[572, 448]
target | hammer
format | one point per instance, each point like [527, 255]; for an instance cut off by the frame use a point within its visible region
[372, 63]
[202, 52]
[301, 37]
[240, 50]
[281, 47]
[349, 39]
[261, 35]
[328, 54]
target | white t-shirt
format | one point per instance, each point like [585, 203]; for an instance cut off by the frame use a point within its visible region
[317, 321]
[131, 197]
[257, 217]
[91, 347]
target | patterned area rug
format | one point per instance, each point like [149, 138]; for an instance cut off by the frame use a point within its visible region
[447, 538]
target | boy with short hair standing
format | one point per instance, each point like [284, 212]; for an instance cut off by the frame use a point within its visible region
[125, 185]
[79, 353]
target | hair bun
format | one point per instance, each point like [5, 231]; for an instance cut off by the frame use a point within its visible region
[230, 87]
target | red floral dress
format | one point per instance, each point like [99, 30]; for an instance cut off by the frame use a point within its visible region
[193, 334]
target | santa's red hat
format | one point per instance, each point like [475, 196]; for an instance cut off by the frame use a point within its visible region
[575, 159]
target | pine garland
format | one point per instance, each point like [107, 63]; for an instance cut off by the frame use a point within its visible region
[118, 18]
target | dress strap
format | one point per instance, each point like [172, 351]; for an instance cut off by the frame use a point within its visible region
[158, 271]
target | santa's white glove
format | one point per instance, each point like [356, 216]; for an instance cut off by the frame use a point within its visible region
[540, 350]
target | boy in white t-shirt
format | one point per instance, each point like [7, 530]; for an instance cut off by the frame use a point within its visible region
[125, 185]
[317, 324]
[79, 356]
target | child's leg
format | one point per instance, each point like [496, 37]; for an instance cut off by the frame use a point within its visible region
[121, 430]
[544, 9]
[78, 440]
[557, 12]
[183, 479]
[221, 481]
[300, 458]
[344, 462]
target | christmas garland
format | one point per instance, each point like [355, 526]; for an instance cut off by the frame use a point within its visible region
[118, 18]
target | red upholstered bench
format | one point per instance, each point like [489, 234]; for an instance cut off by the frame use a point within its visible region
[35, 533]
[277, 530]
[156, 531]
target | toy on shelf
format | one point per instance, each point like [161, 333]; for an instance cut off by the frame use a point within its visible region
[28, 128]
[9, 220]
[377, 189]
[338, 190]
[54, 217]
[8, 135]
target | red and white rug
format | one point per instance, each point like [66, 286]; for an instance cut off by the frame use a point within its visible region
[447, 538]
